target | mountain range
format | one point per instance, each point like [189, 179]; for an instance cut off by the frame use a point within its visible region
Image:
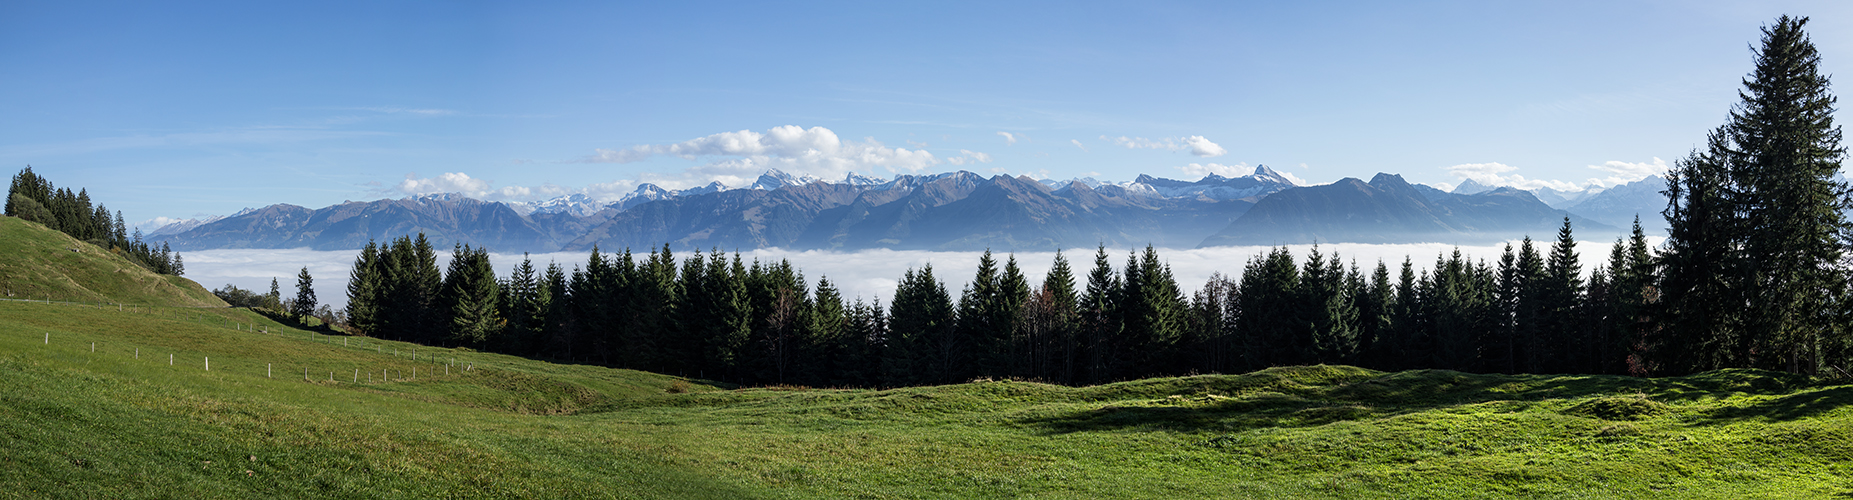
[950, 211]
[1390, 210]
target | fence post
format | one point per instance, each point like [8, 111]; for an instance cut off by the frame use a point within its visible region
[208, 363]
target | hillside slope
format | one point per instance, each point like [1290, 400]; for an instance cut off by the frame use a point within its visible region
[91, 408]
[38, 263]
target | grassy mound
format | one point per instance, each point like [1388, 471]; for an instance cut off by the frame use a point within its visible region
[120, 422]
[1618, 408]
[37, 263]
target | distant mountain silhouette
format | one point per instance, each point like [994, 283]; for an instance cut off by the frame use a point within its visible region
[950, 211]
[1389, 210]
[445, 219]
[1619, 205]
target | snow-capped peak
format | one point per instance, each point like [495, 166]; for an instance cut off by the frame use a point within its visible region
[774, 179]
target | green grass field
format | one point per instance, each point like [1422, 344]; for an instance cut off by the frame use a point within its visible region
[90, 407]
[78, 424]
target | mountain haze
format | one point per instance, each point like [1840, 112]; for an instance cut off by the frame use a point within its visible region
[956, 211]
[1390, 210]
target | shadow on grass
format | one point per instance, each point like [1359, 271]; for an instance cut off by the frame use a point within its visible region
[1399, 393]
[1785, 408]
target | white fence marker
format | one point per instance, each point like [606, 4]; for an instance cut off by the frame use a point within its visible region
[208, 363]
[267, 370]
[170, 360]
[47, 338]
[93, 347]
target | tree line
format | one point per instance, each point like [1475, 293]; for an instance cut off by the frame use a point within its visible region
[32, 197]
[717, 316]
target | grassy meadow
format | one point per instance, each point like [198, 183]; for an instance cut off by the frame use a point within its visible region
[107, 424]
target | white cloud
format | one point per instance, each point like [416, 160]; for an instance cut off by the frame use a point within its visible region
[967, 156]
[1292, 178]
[1203, 147]
[1142, 143]
[462, 183]
[1009, 138]
[1205, 169]
[1493, 174]
[1621, 172]
[816, 151]
[1497, 174]
[448, 182]
[1077, 143]
[1196, 144]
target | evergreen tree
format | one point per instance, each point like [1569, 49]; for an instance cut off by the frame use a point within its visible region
[1783, 152]
[1529, 316]
[1100, 321]
[1562, 295]
[1152, 311]
[649, 340]
[1206, 327]
[525, 304]
[469, 296]
[1046, 340]
[981, 337]
[304, 305]
[1272, 322]
[1407, 339]
[1374, 313]
[922, 345]
[363, 283]
[1006, 313]
[835, 353]
[1331, 313]
[866, 337]
[1501, 350]
[555, 335]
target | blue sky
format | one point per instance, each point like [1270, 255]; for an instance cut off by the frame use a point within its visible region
[177, 109]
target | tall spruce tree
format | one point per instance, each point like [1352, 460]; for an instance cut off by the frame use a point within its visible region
[1272, 321]
[1100, 322]
[981, 337]
[469, 296]
[304, 305]
[921, 345]
[1562, 297]
[1784, 153]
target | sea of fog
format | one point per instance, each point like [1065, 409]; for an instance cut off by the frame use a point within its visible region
[868, 274]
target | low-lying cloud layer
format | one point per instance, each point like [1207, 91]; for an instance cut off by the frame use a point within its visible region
[869, 274]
